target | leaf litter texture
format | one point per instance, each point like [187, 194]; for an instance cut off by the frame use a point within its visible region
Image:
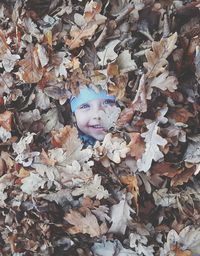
[137, 191]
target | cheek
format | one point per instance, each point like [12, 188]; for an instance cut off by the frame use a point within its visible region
[81, 119]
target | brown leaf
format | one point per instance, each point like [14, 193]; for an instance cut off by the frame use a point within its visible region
[85, 225]
[132, 183]
[30, 71]
[140, 101]
[179, 252]
[6, 120]
[136, 145]
[181, 115]
[61, 138]
[126, 116]
[183, 177]
[80, 35]
[156, 58]
[46, 160]
[165, 169]
[118, 87]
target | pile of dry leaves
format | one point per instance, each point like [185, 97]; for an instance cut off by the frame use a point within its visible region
[137, 192]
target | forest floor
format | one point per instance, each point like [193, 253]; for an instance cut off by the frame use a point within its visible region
[135, 193]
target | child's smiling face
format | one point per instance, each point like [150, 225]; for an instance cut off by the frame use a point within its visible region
[88, 117]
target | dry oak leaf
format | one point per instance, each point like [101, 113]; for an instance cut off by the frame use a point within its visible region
[152, 152]
[181, 115]
[80, 35]
[165, 169]
[6, 120]
[156, 58]
[30, 70]
[118, 88]
[32, 183]
[86, 225]
[116, 148]
[5, 181]
[92, 13]
[126, 116]
[91, 9]
[3, 44]
[163, 82]
[140, 101]
[92, 189]
[183, 177]
[131, 182]
[109, 117]
[111, 248]
[186, 242]
[108, 53]
[51, 120]
[136, 145]
[9, 60]
[120, 216]
[125, 63]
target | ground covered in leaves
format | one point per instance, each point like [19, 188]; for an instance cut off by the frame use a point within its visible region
[137, 192]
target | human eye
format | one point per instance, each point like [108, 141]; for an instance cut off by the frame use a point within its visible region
[84, 106]
[109, 102]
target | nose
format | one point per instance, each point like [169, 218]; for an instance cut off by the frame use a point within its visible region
[96, 112]
[96, 115]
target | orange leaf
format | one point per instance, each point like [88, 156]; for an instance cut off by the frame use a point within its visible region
[179, 252]
[23, 173]
[131, 182]
[181, 115]
[60, 138]
[6, 120]
[49, 37]
[112, 69]
[137, 145]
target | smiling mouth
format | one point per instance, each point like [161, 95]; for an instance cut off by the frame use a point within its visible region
[97, 127]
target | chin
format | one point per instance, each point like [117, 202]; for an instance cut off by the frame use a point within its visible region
[99, 137]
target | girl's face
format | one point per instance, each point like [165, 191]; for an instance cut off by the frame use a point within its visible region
[88, 117]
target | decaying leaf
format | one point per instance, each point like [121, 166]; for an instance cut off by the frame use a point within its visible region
[30, 71]
[109, 248]
[136, 145]
[131, 182]
[115, 148]
[92, 189]
[5, 181]
[108, 54]
[22, 149]
[85, 225]
[120, 216]
[140, 101]
[163, 82]
[152, 150]
[139, 243]
[109, 117]
[156, 58]
[125, 63]
[187, 241]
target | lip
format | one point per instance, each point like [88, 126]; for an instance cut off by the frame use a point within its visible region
[96, 127]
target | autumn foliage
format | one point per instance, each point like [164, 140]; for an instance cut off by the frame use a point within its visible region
[137, 191]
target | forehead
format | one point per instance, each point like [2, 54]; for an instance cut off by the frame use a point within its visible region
[95, 101]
